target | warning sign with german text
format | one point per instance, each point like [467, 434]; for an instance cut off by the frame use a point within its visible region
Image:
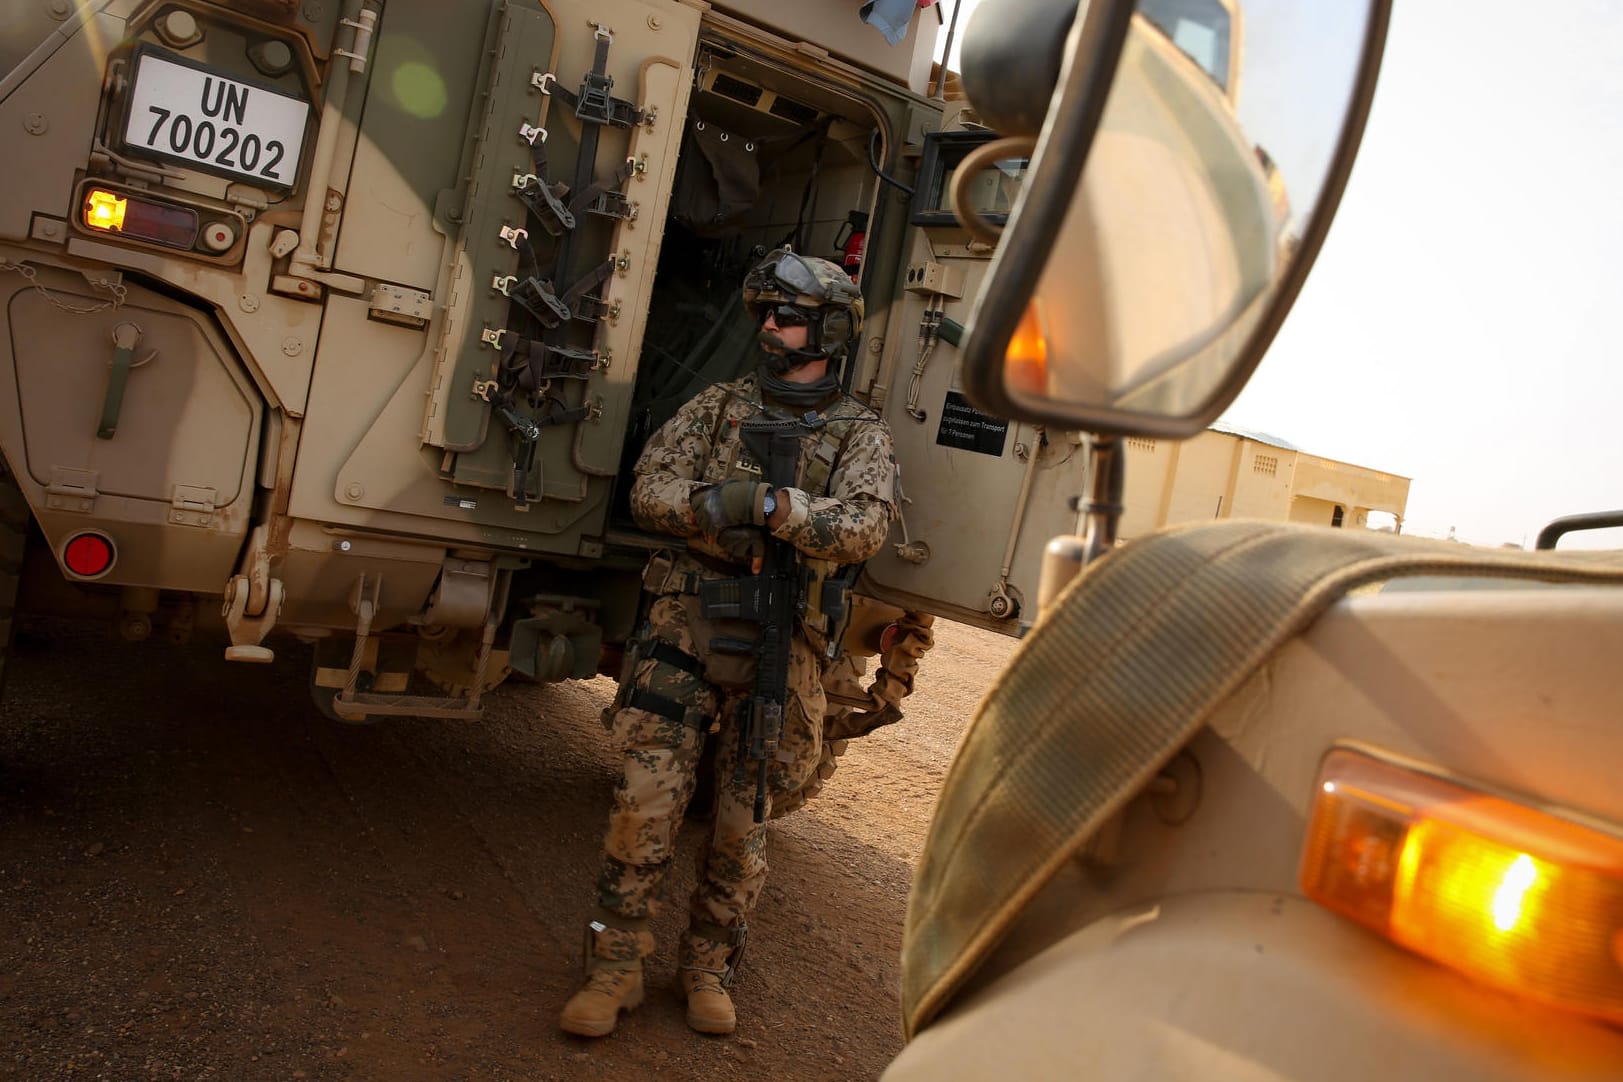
[968, 429]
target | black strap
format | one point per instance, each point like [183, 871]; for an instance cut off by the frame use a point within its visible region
[772, 421]
[655, 703]
[526, 251]
[527, 363]
[554, 411]
[671, 655]
[524, 428]
[590, 199]
[589, 281]
[594, 103]
[537, 138]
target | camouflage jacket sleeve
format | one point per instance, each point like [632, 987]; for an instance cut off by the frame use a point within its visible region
[670, 467]
[850, 523]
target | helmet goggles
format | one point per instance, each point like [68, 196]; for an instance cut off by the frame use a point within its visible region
[785, 272]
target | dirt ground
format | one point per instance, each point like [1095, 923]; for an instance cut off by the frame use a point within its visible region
[201, 877]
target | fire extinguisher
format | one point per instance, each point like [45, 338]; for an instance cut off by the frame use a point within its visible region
[852, 241]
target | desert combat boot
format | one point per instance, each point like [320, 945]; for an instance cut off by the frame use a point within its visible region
[613, 980]
[702, 976]
[610, 988]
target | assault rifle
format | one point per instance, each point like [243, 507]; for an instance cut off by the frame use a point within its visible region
[773, 598]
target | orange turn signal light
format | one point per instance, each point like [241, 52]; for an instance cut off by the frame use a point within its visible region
[1026, 356]
[138, 217]
[1516, 897]
[105, 210]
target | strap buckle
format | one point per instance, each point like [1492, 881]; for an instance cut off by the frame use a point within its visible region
[537, 298]
[542, 201]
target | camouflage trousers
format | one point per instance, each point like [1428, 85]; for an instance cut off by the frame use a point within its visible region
[660, 757]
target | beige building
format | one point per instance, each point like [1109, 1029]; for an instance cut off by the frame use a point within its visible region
[1228, 472]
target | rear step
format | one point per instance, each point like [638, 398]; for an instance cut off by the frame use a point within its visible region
[352, 704]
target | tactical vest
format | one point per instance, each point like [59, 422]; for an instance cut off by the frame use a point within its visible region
[844, 417]
[813, 473]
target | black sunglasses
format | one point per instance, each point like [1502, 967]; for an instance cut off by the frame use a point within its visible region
[786, 315]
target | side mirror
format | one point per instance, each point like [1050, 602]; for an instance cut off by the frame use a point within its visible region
[1184, 171]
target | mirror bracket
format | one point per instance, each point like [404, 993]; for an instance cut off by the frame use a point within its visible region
[1099, 513]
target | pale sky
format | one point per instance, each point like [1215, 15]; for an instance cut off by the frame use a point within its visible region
[1455, 328]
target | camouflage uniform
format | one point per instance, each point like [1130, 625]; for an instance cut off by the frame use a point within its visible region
[846, 522]
[880, 701]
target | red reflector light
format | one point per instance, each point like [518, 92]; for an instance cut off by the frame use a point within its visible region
[89, 555]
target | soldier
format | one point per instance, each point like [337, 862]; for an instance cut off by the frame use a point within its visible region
[698, 480]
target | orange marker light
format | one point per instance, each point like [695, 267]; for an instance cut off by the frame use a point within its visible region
[1025, 360]
[104, 210]
[1511, 895]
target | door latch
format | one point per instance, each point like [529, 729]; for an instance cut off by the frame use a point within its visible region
[126, 337]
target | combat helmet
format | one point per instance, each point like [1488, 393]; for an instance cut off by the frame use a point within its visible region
[821, 290]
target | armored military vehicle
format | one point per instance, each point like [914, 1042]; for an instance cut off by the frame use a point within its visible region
[344, 319]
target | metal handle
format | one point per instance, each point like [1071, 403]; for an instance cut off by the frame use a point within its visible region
[126, 336]
[1599, 520]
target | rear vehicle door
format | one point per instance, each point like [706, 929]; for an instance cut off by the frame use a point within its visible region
[510, 175]
[980, 496]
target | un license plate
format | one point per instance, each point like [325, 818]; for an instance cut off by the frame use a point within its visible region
[187, 113]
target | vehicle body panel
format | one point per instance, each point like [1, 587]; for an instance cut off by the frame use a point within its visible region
[1508, 689]
[344, 317]
[1252, 987]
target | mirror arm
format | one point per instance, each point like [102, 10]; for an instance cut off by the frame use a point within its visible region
[1101, 510]
[1099, 515]
[940, 91]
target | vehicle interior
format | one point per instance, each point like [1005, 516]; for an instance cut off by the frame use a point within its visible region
[769, 158]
